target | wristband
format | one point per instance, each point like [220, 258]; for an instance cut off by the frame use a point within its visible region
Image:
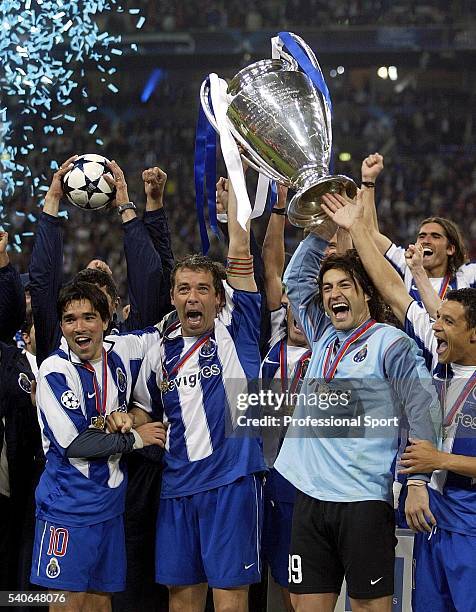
[416, 483]
[127, 206]
[369, 184]
[279, 211]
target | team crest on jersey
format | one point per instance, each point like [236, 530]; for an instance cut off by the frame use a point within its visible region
[53, 569]
[360, 355]
[208, 350]
[69, 400]
[121, 380]
[24, 383]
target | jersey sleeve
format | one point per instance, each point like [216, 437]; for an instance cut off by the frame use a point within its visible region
[241, 313]
[396, 256]
[59, 404]
[418, 325]
[467, 274]
[300, 279]
[147, 393]
[278, 325]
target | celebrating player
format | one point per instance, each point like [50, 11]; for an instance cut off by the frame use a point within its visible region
[365, 371]
[79, 541]
[208, 528]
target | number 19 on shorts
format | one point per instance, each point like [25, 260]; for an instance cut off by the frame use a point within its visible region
[295, 569]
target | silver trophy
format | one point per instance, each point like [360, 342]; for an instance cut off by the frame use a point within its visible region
[283, 123]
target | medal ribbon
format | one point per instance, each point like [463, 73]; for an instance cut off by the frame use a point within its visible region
[462, 397]
[331, 368]
[283, 366]
[187, 356]
[444, 287]
[101, 398]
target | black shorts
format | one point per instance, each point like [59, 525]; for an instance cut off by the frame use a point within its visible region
[331, 540]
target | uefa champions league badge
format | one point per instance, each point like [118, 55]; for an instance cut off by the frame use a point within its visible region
[121, 380]
[208, 350]
[24, 383]
[69, 400]
[53, 569]
[360, 355]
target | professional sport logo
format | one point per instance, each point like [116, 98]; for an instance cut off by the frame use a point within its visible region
[53, 569]
[121, 380]
[360, 355]
[24, 383]
[208, 350]
[69, 400]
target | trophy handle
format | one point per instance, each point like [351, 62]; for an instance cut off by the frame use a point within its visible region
[205, 102]
[313, 59]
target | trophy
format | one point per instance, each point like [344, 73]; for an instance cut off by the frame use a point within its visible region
[283, 123]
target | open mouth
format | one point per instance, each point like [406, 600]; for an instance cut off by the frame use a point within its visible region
[83, 342]
[441, 346]
[340, 310]
[194, 318]
[427, 252]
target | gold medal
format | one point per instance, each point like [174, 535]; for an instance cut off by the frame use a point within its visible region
[98, 422]
[164, 386]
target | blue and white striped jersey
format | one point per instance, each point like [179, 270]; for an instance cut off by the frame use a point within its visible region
[381, 377]
[452, 496]
[203, 449]
[465, 275]
[79, 492]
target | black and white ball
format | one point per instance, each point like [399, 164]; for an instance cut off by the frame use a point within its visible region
[85, 186]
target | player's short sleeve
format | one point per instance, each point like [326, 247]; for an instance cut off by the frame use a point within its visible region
[396, 256]
[419, 326]
[466, 275]
[241, 313]
[147, 393]
[60, 404]
[278, 325]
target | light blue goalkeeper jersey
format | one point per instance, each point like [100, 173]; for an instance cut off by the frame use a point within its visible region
[343, 439]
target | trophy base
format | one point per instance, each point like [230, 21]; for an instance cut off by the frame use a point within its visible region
[305, 207]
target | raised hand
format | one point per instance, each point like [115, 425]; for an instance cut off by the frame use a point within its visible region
[118, 182]
[55, 191]
[342, 210]
[222, 196]
[414, 256]
[372, 166]
[154, 185]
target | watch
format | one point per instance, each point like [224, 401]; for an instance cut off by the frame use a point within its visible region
[127, 206]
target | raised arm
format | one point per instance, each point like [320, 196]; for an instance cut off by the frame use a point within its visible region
[144, 267]
[46, 268]
[273, 251]
[371, 168]
[349, 214]
[12, 296]
[240, 263]
[429, 297]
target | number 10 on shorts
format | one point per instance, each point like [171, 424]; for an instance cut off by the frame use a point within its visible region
[295, 569]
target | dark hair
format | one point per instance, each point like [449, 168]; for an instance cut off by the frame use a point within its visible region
[455, 238]
[466, 297]
[201, 263]
[351, 264]
[99, 278]
[77, 290]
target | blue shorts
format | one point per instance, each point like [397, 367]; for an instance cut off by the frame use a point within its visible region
[278, 520]
[445, 572]
[213, 536]
[91, 558]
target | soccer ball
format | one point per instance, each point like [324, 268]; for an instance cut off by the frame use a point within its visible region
[85, 186]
